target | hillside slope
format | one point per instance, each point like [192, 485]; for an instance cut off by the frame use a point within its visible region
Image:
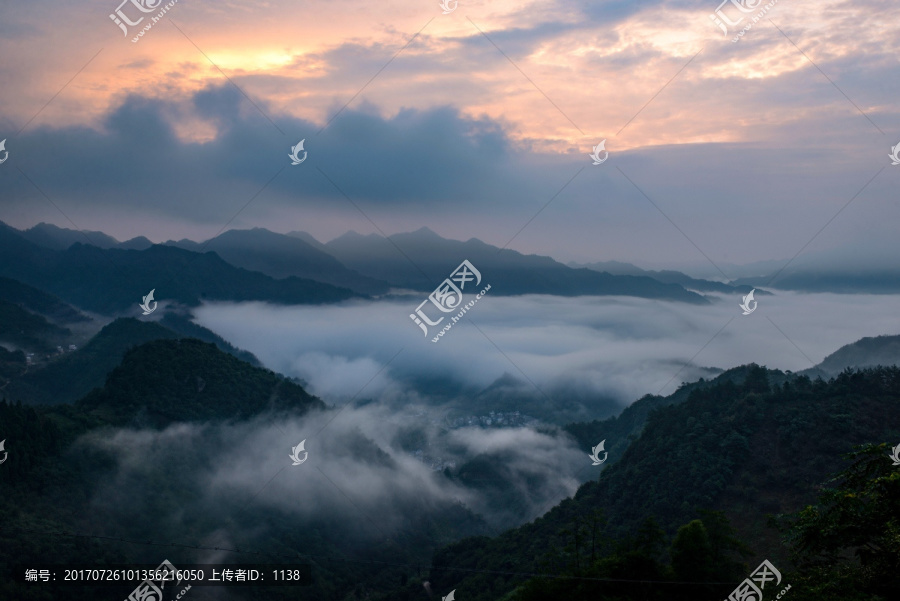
[166, 381]
[748, 450]
[68, 377]
[865, 352]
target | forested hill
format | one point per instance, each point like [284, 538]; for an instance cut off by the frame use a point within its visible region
[167, 381]
[134, 460]
[621, 430]
[748, 449]
[68, 377]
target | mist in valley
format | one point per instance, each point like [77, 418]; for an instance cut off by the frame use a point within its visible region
[564, 359]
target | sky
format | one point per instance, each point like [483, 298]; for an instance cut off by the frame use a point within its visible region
[477, 123]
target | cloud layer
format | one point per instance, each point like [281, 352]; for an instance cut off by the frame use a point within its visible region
[586, 350]
[361, 473]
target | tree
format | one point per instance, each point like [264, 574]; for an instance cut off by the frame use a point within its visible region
[691, 551]
[847, 546]
[725, 547]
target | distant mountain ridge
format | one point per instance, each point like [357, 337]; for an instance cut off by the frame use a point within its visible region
[371, 264]
[111, 281]
[666, 276]
[276, 255]
[59, 238]
[841, 282]
[422, 259]
[368, 264]
[281, 256]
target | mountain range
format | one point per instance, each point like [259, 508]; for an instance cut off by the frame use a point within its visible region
[420, 260]
[375, 265]
[288, 268]
[281, 256]
[666, 276]
[860, 269]
[112, 280]
[747, 443]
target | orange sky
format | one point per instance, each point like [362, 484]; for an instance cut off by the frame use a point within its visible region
[307, 59]
[556, 77]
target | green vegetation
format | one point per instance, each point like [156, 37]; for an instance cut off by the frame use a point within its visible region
[747, 450]
[71, 376]
[74, 374]
[182, 324]
[167, 381]
[68, 478]
[682, 514]
[847, 546]
[704, 560]
[50, 479]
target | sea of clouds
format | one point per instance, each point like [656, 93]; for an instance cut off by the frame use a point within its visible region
[387, 385]
[617, 348]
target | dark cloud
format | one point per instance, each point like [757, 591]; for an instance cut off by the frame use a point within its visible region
[138, 161]
[804, 150]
